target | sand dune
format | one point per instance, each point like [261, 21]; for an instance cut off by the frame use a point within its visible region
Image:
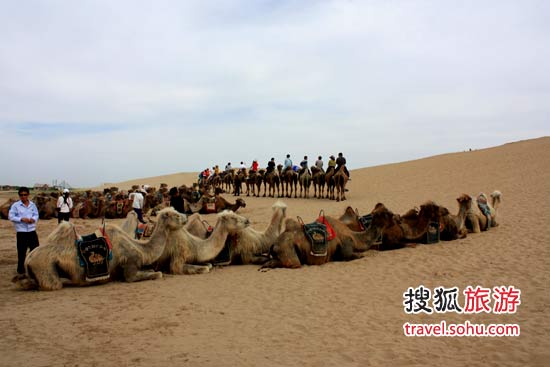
[349, 314]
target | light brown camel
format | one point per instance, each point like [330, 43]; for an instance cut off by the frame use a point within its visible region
[5, 208]
[305, 183]
[49, 267]
[46, 205]
[248, 246]
[318, 179]
[476, 221]
[292, 248]
[340, 181]
[185, 252]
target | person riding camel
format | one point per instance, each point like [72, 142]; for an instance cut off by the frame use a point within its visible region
[270, 166]
[288, 163]
[303, 166]
[331, 164]
[341, 162]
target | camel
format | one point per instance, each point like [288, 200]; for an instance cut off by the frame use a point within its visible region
[318, 179]
[247, 246]
[217, 204]
[273, 180]
[289, 182]
[305, 183]
[253, 182]
[329, 180]
[184, 252]
[340, 181]
[292, 248]
[476, 221]
[46, 205]
[51, 266]
[5, 208]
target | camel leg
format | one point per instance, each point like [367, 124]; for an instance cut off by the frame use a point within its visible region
[196, 269]
[133, 274]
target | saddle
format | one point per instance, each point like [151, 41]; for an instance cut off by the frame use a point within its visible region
[94, 251]
[211, 207]
[433, 232]
[318, 233]
[483, 206]
[365, 221]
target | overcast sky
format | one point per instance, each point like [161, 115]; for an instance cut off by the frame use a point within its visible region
[106, 91]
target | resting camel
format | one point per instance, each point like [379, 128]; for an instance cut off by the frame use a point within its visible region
[292, 248]
[305, 183]
[340, 180]
[5, 208]
[184, 251]
[476, 221]
[248, 245]
[51, 266]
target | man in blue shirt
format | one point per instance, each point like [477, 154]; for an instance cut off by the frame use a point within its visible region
[24, 215]
[287, 164]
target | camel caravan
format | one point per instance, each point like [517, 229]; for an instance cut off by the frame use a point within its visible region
[190, 245]
[280, 183]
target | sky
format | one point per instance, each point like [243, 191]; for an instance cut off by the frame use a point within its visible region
[106, 91]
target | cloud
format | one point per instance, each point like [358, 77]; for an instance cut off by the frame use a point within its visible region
[116, 90]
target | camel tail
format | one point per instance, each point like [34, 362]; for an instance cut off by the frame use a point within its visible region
[495, 198]
[23, 282]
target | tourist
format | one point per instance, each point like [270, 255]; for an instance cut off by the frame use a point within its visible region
[24, 215]
[64, 206]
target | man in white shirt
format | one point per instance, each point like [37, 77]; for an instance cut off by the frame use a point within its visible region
[137, 203]
[64, 206]
[24, 216]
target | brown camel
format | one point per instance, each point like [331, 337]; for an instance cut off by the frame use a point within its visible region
[5, 208]
[340, 181]
[292, 248]
[289, 182]
[46, 205]
[185, 252]
[329, 180]
[476, 220]
[318, 179]
[273, 181]
[50, 266]
[305, 183]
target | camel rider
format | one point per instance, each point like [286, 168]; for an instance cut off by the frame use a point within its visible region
[216, 170]
[270, 166]
[341, 162]
[331, 164]
[228, 167]
[288, 163]
[254, 167]
[319, 163]
[303, 166]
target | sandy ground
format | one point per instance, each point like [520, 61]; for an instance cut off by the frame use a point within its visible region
[339, 314]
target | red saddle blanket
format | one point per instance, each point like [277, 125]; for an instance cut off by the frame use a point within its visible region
[330, 231]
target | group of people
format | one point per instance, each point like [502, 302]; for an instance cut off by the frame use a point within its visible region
[333, 163]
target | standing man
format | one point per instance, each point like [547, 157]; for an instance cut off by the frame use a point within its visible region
[24, 215]
[64, 206]
[137, 204]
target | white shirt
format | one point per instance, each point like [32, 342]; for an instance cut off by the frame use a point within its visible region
[65, 208]
[137, 200]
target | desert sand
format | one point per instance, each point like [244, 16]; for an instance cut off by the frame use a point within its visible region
[338, 314]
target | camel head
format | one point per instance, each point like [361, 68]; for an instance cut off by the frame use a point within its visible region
[241, 203]
[465, 200]
[279, 205]
[429, 210]
[232, 221]
[171, 218]
[495, 196]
